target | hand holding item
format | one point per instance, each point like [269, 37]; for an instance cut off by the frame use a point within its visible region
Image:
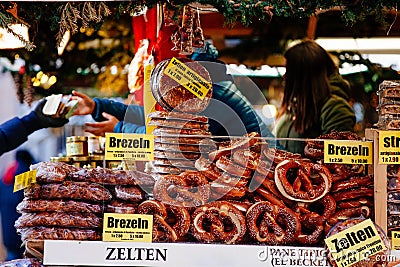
[46, 120]
[85, 106]
[100, 128]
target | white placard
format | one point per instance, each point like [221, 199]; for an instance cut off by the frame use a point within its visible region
[98, 253]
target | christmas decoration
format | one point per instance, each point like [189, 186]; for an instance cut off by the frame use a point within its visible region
[63, 16]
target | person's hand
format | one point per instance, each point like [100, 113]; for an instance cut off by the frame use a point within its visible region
[45, 120]
[85, 105]
[100, 128]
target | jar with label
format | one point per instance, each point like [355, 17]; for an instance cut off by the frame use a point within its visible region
[77, 146]
[94, 146]
[96, 161]
[114, 164]
[81, 162]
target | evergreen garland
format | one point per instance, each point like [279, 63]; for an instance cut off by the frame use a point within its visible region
[62, 16]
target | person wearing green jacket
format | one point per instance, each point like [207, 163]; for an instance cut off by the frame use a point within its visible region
[315, 99]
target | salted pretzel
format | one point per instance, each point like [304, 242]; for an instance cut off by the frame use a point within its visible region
[302, 181]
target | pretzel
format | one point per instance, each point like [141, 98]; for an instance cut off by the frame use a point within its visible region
[230, 167]
[312, 229]
[188, 189]
[219, 221]
[272, 224]
[311, 181]
[162, 221]
[247, 141]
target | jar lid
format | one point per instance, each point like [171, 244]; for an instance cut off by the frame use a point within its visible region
[77, 138]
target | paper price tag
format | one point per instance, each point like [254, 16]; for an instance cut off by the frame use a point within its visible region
[389, 147]
[396, 240]
[355, 244]
[122, 146]
[24, 180]
[188, 78]
[127, 227]
[348, 152]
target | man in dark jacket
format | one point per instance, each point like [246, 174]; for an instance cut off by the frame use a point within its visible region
[15, 131]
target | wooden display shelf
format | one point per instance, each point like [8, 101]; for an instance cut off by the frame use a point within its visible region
[380, 181]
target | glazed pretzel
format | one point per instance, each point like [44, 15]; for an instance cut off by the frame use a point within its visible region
[188, 189]
[170, 223]
[219, 221]
[272, 224]
[302, 181]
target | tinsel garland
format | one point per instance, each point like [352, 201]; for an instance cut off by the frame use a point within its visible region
[63, 16]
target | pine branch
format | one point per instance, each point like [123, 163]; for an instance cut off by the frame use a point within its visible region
[68, 21]
[89, 14]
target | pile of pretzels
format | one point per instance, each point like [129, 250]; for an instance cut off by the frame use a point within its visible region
[247, 192]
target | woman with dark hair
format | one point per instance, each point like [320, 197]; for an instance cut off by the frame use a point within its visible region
[315, 97]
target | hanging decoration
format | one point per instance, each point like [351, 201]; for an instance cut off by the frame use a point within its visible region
[63, 16]
[186, 31]
[198, 36]
[188, 36]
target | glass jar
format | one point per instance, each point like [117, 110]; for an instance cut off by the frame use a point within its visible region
[77, 146]
[81, 162]
[96, 161]
[94, 146]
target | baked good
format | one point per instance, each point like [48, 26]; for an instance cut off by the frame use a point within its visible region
[171, 95]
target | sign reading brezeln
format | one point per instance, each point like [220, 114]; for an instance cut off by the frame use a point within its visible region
[127, 227]
[123, 146]
[347, 152]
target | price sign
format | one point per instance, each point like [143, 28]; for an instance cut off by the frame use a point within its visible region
[188, 78]
[389, 147]
[355, 244]
[127, 227]
[122, 146]
[396, 240]
[347, 152]
[24, 180]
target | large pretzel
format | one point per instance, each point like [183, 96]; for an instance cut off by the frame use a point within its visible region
[170, 223]
[272, 224]
[219, 221]
[302, 181]
[188, 189]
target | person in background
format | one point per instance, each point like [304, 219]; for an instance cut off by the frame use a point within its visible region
[315, 97]
[15, 131]
[9, 201]
[229, 111]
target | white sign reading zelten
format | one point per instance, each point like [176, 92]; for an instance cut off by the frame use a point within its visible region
[98, 253]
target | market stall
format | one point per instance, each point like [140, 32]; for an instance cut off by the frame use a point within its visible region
[182, 195]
